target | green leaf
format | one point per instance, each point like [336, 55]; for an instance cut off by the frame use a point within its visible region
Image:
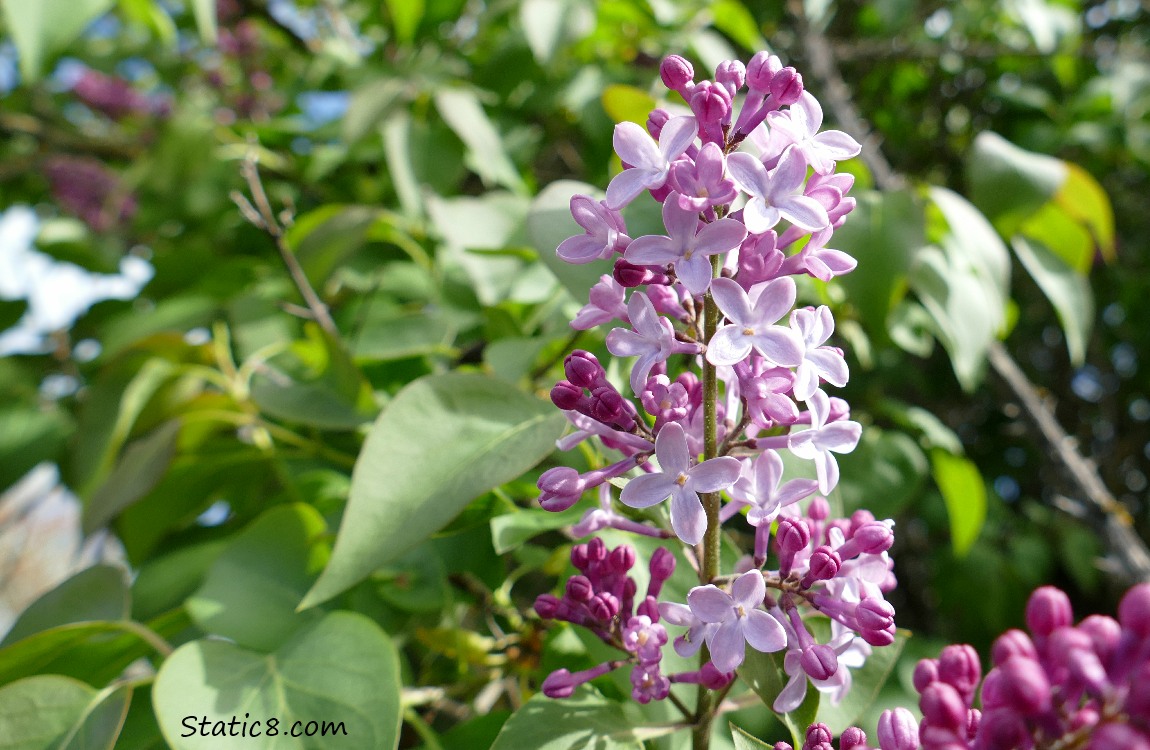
[461, 110]
[95, 652]
[43, 28]
[733, 19]
[442, 441]
[371, 104]
[11, 310]
[205, 13]
[50, 712]
[163, 583]
[1068, 290]
[511, 530]
[325, 238]
[142, 465]
[883, 474]
[405, 18]
[866, 684]
[550, 24]
[389, 336]
[625, 103]
[549, 222]
[585, 721]
[884, 232]
[96, 593]
[972, 243]
[29, 436]
[744, 741]
[251, 591]
[1083, 198]
[417, 582]
[492, 221]
[934, 434]
[1063, 235]
[964, 492]
[342, 669]
[765, 675]
[1008, 183]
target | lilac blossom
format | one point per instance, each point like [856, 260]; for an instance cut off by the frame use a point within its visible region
[822, 440]
[760, 487]
[650, 162]
[605, 233]
[799, 125]
[605, 303]
[687, 246]
[815, 327]
[739, 619]
[652, 340]
[689, 643]
[752, 323]
[704, 183]
[776, 194]
[681, 482]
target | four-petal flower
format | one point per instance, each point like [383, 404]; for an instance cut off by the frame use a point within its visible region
[799, 125]
[752, 323]
[739, 620]
[777, 194]
[650, 162]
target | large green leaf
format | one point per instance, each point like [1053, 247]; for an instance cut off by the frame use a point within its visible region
[441, 442]
[29, 436]
[1067, 289]
[549, 24]
[96, 593]
[745, 741]
[1008, 183]
[95, 652]
[585, 721]
[42, 28]
[460, 109]
[1083, 198]
[51, 712]
[343, 670]
[142, 465]
[963, 490]
[251, 591]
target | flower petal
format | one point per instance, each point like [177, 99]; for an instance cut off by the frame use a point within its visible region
[626, 343]
[677, 614]
[671, 448]
[791, 696]
[720, 236]
[758, 216]
[732, 301]
[749, 590]
[728, 346]
[628, 184]
[830, 364]
[714, 474]
[840, 437]
[788, 175]
[837, 144]
[748, 173]
[646, 490]
[688, 518]
[652, 250]
[695, 273]
[773, 299]
[582, 248]
[676, 137]
[728, 647]
[806, 379]
[682, 224]
[643, 317]
[764, 632]
[779, 345]
[710, 603]
[642, 369]
[636, 147]
[805, 213]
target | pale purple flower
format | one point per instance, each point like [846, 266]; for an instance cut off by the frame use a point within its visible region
[739, 620]
[605, 517]
[751, 327]
[652, 340]
[605, 232]
[759, 487]
[815, 327]
[793, 693]
[681, 482]
[822, 262]
[605, 302]
[688, 644]
[650, 162]
[703, 184]
[822, 440]
[687, 246]
[648, 683]
[776, 194]
[644, 638]
[800, 124]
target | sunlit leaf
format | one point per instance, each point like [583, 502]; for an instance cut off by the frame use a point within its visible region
[44, 28]
[584, 721]
[1068, 290]
[965, 494]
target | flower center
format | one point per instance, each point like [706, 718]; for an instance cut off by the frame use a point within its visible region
[687, 255]
[681, 480]
[643, 637]
[739, 611]
[748, 331]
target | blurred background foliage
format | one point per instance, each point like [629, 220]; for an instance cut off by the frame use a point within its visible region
[419, 155]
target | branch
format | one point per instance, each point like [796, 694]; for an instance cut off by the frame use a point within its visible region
[1126, 547]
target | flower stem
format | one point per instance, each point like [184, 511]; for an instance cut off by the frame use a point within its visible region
[705, 706]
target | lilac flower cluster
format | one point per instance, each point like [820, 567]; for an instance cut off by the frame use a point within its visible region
[717, 293]
[115, 97]
[88, 189]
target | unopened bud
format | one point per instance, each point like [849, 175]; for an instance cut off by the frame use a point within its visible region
[787, 86]
[583, 369]
[819, 661]
[897, 730]
[1049, 609]
[1134, 610]
[959, 667]
[676, 72]
[1012, 643]
[1025, 686]
[761, 71]
[567, 396]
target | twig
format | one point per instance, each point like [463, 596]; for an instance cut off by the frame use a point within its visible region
[1125, 545]
[259, 212]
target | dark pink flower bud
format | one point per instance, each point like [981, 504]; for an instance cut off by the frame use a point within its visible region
[711, 677]
[925, 673]
[676, 72]
[1138, 699]
[824, 565]
[630, 275]
[579, 557]
[656, 119]
[819, 661]
[546, 605]
[1048, 609]
[1012, 643]
[567, 396]
[560, 488]
[859, 518]
[583, 369]
[662, 568]
[852, 738]
[649, 607]
[897, 730]
[1113, 736]
[873, 613]
[622, 558]
[609, 407]
[943, 707]
[596, 550]
[761, 71]
[819, 509]
[791, 536]
[880, 638]
[1002, 729]
[579, 588]
[730, 74]
[787, 86]
[1104, 632]
[782, 746]
[562, 683]
[818, 734]
[603, 606]
[873, 538]
[1134, 610]
[959, 666]
[1025, 686]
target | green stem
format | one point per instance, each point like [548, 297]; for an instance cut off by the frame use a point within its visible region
[712, 540]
